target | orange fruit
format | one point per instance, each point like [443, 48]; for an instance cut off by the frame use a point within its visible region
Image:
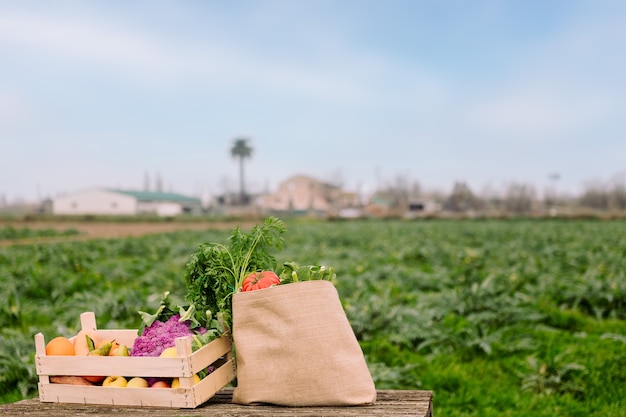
[60, 346]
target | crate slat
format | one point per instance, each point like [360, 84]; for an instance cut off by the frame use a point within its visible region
[124, 336]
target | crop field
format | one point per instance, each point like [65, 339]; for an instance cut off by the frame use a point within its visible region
[498, 318]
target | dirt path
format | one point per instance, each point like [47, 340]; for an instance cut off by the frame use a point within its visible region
[107, 230]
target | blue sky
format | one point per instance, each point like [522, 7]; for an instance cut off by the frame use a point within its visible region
[107, 93]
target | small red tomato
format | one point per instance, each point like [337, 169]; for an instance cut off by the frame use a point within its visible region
[260, 280]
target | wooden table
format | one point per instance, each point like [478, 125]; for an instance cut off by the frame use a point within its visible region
[389, 403]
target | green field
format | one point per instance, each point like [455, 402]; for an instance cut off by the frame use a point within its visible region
[498, 318]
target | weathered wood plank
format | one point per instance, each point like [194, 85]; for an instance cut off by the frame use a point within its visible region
[389, 403]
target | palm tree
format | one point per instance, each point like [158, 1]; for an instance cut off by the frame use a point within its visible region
[241, 150]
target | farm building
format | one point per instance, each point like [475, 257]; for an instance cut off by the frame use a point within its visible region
[302, 195]
[123, 202]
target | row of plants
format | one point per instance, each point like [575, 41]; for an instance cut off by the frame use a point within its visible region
[496, 317]
[11, 232]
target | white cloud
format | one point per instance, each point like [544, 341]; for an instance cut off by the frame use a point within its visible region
[147, 57]
[87, 42]
[327, 67]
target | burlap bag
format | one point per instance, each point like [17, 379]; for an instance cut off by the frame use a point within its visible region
[294, 346]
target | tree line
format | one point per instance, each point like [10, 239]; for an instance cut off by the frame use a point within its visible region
[517, 198]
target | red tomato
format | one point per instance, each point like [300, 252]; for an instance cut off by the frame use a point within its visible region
[260, 280]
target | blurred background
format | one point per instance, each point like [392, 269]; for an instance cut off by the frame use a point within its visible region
[431, 105]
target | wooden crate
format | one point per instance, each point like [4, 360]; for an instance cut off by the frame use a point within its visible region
[188, 363]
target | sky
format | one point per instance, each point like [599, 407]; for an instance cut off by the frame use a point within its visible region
[360, 93]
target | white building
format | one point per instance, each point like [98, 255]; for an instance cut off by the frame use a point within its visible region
[123, 202]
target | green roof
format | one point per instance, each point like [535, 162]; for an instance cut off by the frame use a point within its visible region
[159, 196]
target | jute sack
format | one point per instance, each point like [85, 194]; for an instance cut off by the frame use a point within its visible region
[294, 346]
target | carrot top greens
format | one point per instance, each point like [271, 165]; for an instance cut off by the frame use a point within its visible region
[216, 271]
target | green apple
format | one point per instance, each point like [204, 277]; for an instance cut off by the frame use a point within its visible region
[114, 381]
[137, 382]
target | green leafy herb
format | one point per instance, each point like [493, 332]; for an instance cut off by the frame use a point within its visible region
[216, 271]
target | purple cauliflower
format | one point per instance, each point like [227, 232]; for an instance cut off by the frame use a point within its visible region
[160, 335]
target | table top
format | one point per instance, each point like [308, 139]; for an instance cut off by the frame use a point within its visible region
[388, 403]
